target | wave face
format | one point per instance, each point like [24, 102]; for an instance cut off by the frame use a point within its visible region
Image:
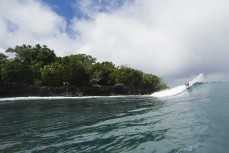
[195, 121]
[179, 89]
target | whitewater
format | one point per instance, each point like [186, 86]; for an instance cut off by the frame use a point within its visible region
[188, 120]
[179, 89]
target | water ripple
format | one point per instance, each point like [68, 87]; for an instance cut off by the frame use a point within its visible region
[115, 124]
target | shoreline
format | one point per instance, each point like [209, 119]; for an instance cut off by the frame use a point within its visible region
[12, 90]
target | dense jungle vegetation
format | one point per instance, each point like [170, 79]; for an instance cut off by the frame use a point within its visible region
[38, 65]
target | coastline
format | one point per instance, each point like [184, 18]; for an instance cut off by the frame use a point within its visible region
[8, 89]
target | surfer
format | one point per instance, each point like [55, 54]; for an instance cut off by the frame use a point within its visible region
[187, 85]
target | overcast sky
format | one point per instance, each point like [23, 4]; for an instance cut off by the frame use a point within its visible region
[174, 39]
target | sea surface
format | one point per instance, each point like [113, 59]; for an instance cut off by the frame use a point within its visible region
[195, 121]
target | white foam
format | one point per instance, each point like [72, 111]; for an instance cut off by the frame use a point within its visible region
[35, 98]
[199, 78]
[55, 98]
[179, 89]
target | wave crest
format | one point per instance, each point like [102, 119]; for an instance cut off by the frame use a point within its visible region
[179, 89]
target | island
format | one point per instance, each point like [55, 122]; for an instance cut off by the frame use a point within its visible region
[38, 71]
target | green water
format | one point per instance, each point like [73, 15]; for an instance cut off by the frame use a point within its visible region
[197, 121]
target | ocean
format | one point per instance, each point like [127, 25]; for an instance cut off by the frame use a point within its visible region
[195, 121]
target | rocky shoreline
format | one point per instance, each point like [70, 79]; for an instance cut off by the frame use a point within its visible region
[21, 90]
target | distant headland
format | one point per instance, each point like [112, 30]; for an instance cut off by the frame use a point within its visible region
[37, 71]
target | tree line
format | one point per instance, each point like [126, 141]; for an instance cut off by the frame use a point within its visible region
[38, 65]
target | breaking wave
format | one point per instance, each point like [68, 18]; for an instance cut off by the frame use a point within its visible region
[179, 89]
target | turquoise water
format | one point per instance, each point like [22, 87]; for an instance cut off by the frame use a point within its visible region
[196, 121]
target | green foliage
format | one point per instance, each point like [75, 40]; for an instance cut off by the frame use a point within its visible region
[2, 60]
[54, 74]
[16, 71]
[32, 55]
[103, 73]
[2, 57]
[74, 69]
[129, 77]
[150, 81]
[35, 58]
[78, 69]
[40, 66]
